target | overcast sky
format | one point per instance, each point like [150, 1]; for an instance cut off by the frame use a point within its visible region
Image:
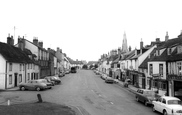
[85, 29]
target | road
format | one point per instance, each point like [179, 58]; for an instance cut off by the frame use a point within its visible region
[90, 95]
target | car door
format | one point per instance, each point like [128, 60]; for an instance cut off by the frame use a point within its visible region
[157, 104]
[29, 85]
[161, 105]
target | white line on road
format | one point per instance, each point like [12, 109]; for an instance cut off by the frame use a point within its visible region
[112, 103]
[79, 110]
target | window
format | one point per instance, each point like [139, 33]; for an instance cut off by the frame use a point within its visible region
[28, 66]
[20, 78]
[10, 79]
[164, 86]
[28, 76]
[169, 51]
[23, 67]
[179, 49]
[161, 69]
[150, 69]
[179, 71]
[10, 66]
[20, 67]
[164, 101]
[33, 66]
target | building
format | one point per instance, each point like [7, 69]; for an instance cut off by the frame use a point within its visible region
[16, 65]
[41, 54]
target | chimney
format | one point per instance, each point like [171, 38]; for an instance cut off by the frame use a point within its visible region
[57, 49]
[21, 43]
[119, 50]
[157, 39]
[9, 40]
[60, 50]
[141, 44]
[166, 37]
[129, 48]
[35, 41]
[41, 44]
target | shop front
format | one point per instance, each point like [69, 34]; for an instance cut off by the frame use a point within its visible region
[175, 86]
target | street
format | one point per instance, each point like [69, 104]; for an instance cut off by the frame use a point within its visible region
[89, 94]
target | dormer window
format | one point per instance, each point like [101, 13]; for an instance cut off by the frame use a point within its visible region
[169, 51]
[157, 53]
[179, 49]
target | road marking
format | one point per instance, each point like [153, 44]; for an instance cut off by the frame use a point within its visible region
[79, 110]
[112, 103]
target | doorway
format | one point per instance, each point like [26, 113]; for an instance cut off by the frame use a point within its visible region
[16, 75]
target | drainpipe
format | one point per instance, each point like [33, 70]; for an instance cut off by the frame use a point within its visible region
[6, 76]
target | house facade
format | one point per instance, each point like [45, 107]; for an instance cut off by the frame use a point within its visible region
[16, 66]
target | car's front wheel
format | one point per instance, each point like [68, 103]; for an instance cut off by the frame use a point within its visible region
[145, 103]
[164, 112]
[22, 88]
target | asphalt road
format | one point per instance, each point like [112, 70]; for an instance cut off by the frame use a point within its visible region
[89, 94]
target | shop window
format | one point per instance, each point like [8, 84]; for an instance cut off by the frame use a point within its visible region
[10, 79]
[164, 86]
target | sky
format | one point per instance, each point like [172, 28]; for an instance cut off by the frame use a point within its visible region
[86, 29]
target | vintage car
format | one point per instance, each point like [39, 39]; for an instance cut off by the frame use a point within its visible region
[50, 81]
[168, 105]
[56, 79]
[109, 79]
[103, 76]
[46, 82]
[34, 85]
[146, 96]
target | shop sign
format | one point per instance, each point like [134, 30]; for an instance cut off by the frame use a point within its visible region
[174, 77]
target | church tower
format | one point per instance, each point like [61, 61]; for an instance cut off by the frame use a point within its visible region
[124, 45]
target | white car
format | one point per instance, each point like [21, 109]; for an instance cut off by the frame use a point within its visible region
[168, 105]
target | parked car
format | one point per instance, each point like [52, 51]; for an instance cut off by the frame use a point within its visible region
[109, 79]
[57, 80]
[67, 71]
[146, 96]
[61, 74]
[168, 105]
[73, 69]
[33, 85]
[46, 82]
[49, 80]
[103, 76]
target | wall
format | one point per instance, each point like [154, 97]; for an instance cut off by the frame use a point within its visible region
[2, 72]
[32, 48]
[156, 68]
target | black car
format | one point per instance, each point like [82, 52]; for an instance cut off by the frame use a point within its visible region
[73, 69]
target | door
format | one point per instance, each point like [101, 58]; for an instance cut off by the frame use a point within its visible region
[16, 75]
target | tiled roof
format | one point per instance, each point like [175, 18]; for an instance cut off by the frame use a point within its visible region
[144, 64]
[14, 54]
[170, 42]
[92, 62]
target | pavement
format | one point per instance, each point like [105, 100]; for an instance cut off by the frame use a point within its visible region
[130, 88]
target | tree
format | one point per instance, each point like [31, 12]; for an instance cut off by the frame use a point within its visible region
[85, 66]
[96, 66]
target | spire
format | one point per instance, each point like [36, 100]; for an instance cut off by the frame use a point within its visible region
[167, 36]
[124, 45]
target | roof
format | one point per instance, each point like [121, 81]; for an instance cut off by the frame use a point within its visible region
[170, 43]
[170, 98]
[112, 57]
[144, 64]
[92, 62]
[14, 54]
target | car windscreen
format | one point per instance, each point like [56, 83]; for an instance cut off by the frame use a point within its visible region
[149, 92]
[174, 102]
